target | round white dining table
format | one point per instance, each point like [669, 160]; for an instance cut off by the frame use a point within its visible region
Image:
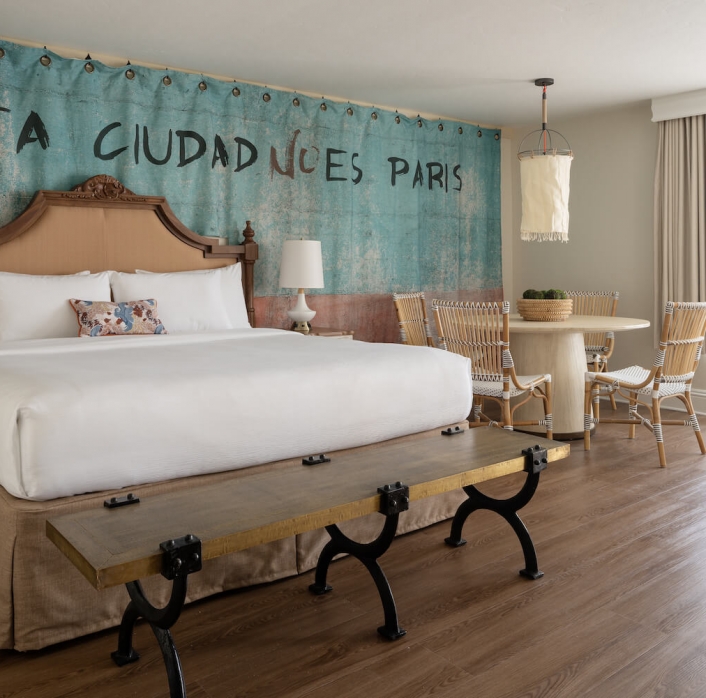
[558, 348]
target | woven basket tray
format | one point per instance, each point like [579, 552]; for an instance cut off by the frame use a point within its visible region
[545, 310]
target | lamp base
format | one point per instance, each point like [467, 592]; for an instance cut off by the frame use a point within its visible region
[303, 327]
[301, 314]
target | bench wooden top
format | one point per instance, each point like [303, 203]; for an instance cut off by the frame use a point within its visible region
[115, 546]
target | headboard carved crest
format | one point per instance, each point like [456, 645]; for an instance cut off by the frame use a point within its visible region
[105, 187]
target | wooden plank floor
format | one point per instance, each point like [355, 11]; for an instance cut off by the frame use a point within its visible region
[620, 612]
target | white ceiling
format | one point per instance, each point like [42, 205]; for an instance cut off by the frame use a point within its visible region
[455, 58]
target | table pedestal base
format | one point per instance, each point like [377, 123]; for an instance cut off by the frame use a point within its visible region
[562, 355]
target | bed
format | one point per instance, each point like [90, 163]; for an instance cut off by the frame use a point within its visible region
[202, 396]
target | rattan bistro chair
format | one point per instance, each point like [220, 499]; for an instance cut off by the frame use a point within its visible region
[680, 348]
[412, 317]
[598, 345]
[481, 332]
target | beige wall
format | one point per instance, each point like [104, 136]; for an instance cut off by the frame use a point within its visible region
[610, 230]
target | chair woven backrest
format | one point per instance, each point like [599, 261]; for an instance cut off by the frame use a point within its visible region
[595, 303]
[479, 331]
[682, 341]
[412, 318]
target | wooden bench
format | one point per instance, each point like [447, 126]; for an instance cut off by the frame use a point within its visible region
[128, 540]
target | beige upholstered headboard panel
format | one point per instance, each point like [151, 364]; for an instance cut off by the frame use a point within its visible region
[67, 239]
[101, 225]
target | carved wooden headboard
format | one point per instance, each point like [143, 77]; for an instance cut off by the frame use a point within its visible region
[101, 225]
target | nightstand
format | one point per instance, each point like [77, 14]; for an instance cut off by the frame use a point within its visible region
[331, 332]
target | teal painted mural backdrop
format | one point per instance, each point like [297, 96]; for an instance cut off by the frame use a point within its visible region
[398, 203]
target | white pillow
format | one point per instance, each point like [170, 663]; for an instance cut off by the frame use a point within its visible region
[187, 302]
[232, 288]
[37, 307]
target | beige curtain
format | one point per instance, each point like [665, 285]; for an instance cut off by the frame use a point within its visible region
[680, 213]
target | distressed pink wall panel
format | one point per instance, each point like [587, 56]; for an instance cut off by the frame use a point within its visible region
[371, 316]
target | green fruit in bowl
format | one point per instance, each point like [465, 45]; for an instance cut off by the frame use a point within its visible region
[554, 294]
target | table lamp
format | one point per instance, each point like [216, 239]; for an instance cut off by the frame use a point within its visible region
[301, 268]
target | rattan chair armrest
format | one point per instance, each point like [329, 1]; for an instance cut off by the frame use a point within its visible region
[608, 380]
[522, 386]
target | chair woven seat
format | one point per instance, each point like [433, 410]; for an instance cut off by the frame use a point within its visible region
[594, 357]
[495, 388]
[629, 378]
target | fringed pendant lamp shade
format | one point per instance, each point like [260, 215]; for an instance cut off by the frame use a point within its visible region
[544, 175]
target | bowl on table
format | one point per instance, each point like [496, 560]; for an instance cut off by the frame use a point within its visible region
[545, 309]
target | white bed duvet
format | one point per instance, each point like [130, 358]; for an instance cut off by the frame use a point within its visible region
[85, 414]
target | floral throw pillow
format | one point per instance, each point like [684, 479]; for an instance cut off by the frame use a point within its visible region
[102, 318]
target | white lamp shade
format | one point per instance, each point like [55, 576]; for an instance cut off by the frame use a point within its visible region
[301, 265]
[545, 197]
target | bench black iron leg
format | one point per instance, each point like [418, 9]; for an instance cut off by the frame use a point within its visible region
[391, 630]
[125, 652]
[175, 675]
[464, 510]
[507, 508]
[160, 620]
[531, 570]
[368, 554]
[320, 586]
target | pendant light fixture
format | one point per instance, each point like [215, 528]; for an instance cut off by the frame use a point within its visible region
[544, 176]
